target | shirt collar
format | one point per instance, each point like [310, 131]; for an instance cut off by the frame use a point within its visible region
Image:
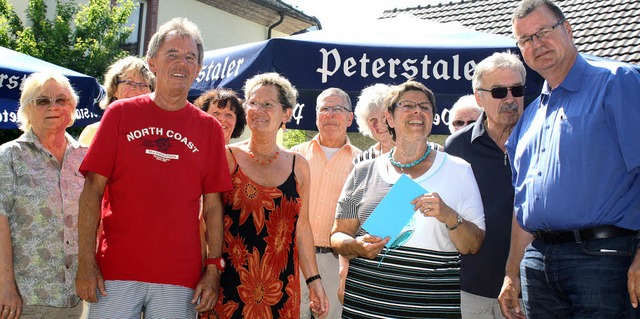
[478, 127]
[316, 140]
[30, 137]
[573, 80]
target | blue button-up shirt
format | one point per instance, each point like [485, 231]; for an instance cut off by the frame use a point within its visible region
[575, 152]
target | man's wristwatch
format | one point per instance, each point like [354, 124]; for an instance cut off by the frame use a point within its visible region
[218, 261]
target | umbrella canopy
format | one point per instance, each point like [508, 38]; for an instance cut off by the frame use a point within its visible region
[440, 55]
[16, 66]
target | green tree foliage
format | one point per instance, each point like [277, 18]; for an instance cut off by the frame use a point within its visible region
[81, 37]
[10, 25]
[291, 138]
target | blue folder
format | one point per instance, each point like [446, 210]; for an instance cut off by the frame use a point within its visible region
[395, 210]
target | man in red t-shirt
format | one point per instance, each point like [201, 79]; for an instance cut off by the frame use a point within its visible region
[157, 155]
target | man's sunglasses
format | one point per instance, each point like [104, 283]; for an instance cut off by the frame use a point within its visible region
[501, 92]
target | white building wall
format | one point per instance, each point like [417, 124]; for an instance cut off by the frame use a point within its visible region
[220, 29]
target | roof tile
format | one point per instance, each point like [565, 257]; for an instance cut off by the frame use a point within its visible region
[606, 28]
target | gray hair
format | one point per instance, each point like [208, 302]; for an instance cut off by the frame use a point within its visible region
[335, 91]
[527, 6]
[371, 100]
[465, 102]
[496, 61]
[184, 28]
[32, 88]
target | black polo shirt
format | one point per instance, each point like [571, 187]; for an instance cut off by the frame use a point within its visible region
[483, 273]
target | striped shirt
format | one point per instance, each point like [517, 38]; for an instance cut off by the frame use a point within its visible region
[421, 278]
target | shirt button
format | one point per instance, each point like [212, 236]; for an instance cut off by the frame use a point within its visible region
[544, 149]
[547, 126]
[67, 242]
[537, 197]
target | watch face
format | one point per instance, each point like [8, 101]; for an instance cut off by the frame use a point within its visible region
[223, 263]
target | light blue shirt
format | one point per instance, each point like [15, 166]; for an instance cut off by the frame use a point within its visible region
[575, 153]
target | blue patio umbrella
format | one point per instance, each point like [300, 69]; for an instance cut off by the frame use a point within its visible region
[441, 56]
[16, 66]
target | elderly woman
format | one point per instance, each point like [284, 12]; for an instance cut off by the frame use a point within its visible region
[39, 204]
[371, 121]
[464, 112]
[267, 237]
[225, 106]
[125, 78]
[419, 276]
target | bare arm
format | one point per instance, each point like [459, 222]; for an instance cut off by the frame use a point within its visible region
[9, 297]
[88, 277]
[467, 237]
[319, 303]
[208, 288]
[508, 298]
[344, 242]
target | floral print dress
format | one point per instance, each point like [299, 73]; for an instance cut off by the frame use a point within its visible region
[261, 279]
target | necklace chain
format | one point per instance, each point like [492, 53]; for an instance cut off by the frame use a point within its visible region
[409, 165]
[263, 162]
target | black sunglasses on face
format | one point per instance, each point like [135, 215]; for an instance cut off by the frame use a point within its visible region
[458, 123]
[501, 92]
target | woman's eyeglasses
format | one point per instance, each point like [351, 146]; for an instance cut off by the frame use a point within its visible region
[135, 85]
[459, 123]
[409, 106]
[501, 92]
[46, 102]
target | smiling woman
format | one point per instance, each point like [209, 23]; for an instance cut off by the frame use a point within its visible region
[420, 272]
[39, 196]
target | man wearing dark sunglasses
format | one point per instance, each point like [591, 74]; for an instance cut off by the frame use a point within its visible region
[498, 85]
[576, 170]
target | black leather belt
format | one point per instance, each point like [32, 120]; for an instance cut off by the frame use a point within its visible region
[580, 235]
[323, 250]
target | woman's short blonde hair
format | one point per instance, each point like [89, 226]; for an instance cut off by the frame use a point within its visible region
[32, 88]
[287, 93]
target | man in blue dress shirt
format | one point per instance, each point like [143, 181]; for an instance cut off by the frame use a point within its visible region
[576, 172]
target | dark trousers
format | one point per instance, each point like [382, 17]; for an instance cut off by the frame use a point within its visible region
[578, 280]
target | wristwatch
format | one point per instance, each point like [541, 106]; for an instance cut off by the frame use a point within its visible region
[218, 261]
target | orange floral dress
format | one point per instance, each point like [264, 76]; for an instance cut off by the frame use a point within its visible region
[261, 279]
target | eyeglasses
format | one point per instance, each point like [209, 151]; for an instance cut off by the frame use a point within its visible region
[334, 109]
[501, 92]
[46, 102]
[525, 42]
[409, 106]
[264, 105]
[459, 123]
[135, 85]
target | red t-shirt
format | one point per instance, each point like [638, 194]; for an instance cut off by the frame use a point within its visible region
[158, 163]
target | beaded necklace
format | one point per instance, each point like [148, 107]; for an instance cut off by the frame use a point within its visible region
[412, 164]
[263, 162]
